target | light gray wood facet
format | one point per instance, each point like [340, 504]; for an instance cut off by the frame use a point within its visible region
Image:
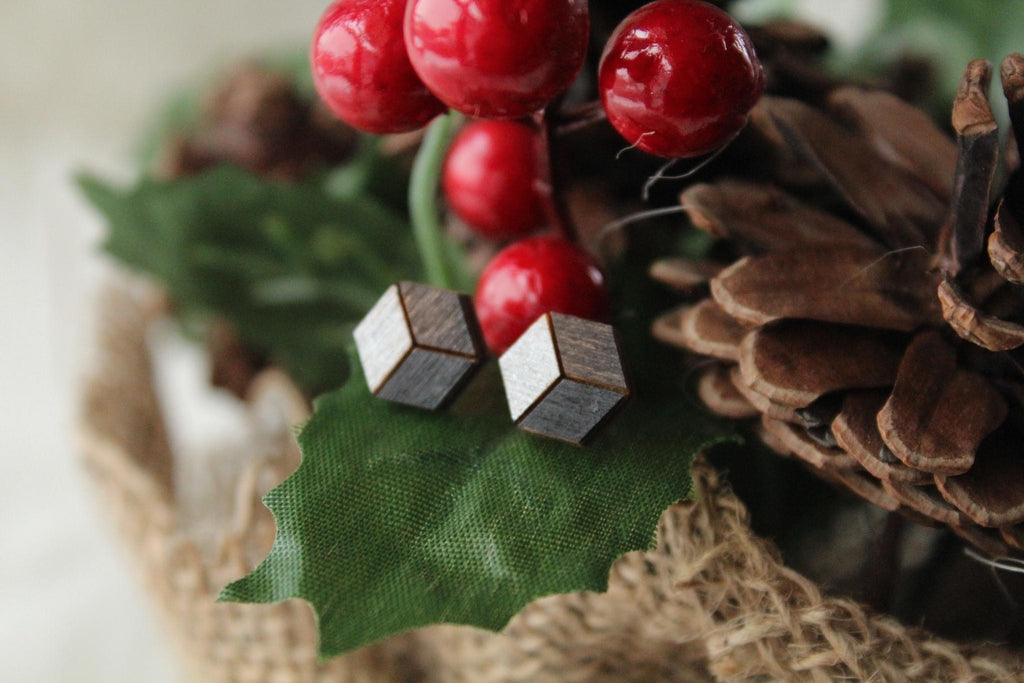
[529, 367]
[426, 379]
[571, 411]
[588, 351]
[563, 377]
[383, 338]
[442, 319]
[418, 344]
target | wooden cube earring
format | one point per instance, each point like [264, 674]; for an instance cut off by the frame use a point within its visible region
[419, 345]
[564, 377]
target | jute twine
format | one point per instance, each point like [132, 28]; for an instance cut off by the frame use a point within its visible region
[711, 602]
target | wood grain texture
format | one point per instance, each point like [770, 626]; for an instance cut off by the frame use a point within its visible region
[418, 345]
[442, 319]
[426, 379]
[588, 351]
[564, 377]
[571, 410]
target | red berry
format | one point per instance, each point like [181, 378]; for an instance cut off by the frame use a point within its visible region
[497, 59]
[678, 78]
[533, 277]
[490, 178]
[362, 71]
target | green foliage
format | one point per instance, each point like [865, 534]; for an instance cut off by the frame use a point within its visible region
[399, 518]
[951, 32]
[293, 267]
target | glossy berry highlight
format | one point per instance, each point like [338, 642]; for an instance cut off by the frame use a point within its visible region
[491, 178]
[362, 71]
[678, 78]
[497, 59]
[532, 277]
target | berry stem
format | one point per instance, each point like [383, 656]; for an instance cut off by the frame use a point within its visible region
[554, 194]
[423, 204]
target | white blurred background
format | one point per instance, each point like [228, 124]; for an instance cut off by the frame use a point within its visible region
[77, 81]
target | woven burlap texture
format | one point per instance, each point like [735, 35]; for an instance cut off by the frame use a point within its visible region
[711, 602]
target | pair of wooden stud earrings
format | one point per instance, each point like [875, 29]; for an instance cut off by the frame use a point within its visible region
[563, 377]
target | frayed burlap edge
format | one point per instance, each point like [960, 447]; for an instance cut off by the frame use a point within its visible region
[711, 602]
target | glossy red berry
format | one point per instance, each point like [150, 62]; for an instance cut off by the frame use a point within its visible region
[490, 178]
[678, 78]
[362, 71]
[533, 277]
[497, 59]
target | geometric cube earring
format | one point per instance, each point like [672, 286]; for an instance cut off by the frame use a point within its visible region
[564, 377]
[419, 345]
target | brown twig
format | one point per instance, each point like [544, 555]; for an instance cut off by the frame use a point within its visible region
[553, 191]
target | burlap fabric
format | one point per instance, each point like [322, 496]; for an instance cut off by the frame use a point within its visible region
[711, 602]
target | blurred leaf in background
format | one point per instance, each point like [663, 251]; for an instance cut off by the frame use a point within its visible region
[951, 33]
[292, 266]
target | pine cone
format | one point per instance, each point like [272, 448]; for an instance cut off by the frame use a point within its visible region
[865, 322]
[257, 119]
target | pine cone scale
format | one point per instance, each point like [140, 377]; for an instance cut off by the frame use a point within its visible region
[974, 325]
[795, 363]
[716, 389]
[992, 492]
[766, 218]
[1006, 246]
[856, 432]
[938, 414]
[901, 210]
[928, 155]
[845, 285]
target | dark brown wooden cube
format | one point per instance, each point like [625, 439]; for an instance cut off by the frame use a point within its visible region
[419, 344]
[564, 376]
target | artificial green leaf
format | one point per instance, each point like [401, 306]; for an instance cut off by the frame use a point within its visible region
[292, 267]
[399, 518]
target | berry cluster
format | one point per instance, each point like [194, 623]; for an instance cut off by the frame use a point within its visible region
[676, 79]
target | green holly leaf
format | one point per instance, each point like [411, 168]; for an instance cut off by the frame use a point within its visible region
[399, 518]
[292, 266]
